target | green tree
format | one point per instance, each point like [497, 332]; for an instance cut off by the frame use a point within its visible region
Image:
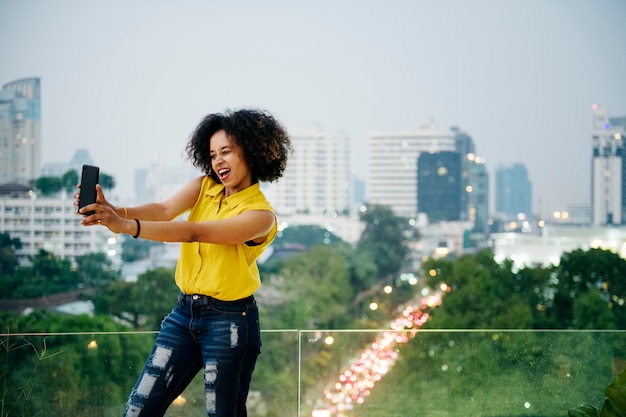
[305, 235]
[361, 266]
[106, 181]
[590, 311]
[595, 273]
[96, 270]
[70, 180]
[48, 274]
[158, 288]
[535, 286]
[313, 291]
[115, 300]
[8, 257]
[141, 304]
[385, 239]
[49, 185]
[586, 291]
[484, 294]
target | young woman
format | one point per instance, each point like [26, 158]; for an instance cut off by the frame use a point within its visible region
[215, 323]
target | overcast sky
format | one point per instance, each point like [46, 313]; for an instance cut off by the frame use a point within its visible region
[129, 80]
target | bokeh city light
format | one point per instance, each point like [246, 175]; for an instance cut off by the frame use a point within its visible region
[356, 382]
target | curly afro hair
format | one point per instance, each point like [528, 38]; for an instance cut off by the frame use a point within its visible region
[264, 141]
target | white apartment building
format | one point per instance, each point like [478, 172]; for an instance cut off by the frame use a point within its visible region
[393, 165]
[317, 180]
[51, 223]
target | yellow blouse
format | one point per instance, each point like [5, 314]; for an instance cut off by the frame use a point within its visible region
[225, 272]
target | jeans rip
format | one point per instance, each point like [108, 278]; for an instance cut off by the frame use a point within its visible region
[219, 338]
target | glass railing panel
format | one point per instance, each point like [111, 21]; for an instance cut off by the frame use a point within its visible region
[92, 374]
[456, 373]
[69, 374]
[337, 373]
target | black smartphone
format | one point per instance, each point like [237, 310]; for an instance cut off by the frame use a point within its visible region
[88, 180]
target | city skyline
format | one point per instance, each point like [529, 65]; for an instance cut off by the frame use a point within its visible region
[129, 82]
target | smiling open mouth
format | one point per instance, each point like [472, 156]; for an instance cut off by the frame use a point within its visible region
[222, 173]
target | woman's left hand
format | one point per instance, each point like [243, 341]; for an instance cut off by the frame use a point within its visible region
[104, 213]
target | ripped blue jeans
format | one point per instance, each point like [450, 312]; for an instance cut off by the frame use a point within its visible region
[222, 338]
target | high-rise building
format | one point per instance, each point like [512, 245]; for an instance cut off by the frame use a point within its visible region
[463, 142]
[317, 179]
[513, 191]
[393, 162]
[476, 187]
[454, 187]
[608, 174]
[358, 192]
[20, 131]
[439, 177]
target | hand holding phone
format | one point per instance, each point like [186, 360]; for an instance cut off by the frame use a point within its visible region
[88, 180]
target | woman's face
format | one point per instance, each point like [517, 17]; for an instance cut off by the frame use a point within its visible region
[228, 162]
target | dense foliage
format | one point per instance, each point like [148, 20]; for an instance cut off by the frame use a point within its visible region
[48, 274]
[586, 291]
[49, 185]
[534, 366]
[385, 239]
[325, 286]
[64, 367]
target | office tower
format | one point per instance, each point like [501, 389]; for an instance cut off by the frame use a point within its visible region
[20, 131]
[358, 192]
[476, 187]
[608, 174]
[464, 144]
[513, 191]
[439, 184]
[317, 180]
[454, 187]
[393, 160]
